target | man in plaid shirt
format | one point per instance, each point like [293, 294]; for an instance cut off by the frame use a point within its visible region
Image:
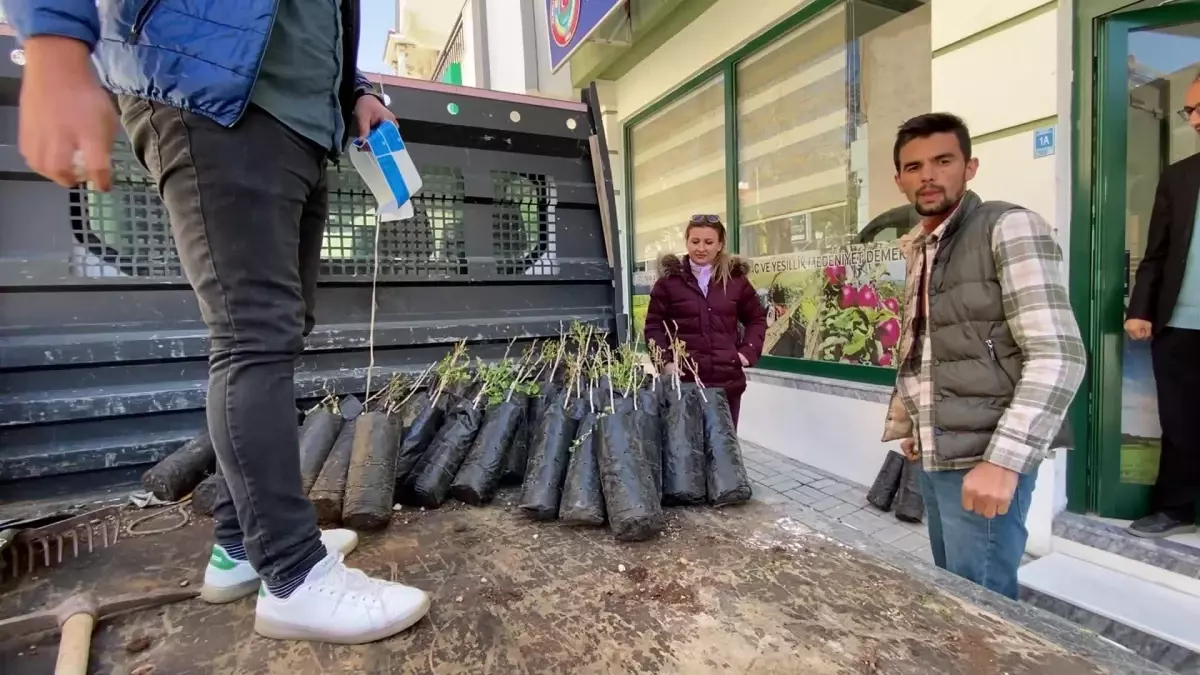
[990, 355]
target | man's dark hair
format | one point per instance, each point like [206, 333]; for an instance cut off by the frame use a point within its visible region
[924, 126]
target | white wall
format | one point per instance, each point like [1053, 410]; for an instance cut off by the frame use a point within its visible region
[721, 29]
[836, 434]
[1002, 80]
[505, 46]
[955, 20]
[1032, 186]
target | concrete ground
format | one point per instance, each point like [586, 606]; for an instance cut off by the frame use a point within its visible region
[760, 588]
[782, 480]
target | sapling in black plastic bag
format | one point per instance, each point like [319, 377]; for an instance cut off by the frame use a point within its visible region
[321, 426]
[370, 477]
[683, 455]
[652, 408]
[329, 489]
[423, 412]
[630, 498]
[726, 479]
[546, 387]
[583, 496]
[484, 468]
[909, 505]
[550, 449]
[429, 482]
[422, 418]
[517, 455]
[887, 482]
[527, 391]
[370, 482]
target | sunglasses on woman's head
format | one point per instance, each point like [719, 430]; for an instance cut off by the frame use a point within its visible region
[701, 218]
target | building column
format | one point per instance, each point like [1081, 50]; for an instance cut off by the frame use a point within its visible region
[476, 64]
[614, 133]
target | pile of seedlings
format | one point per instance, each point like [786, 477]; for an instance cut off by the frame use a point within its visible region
[589, 432]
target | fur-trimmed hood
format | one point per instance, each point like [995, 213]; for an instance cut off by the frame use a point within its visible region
[672, 265]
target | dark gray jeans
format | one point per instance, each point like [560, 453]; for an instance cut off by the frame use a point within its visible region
[248, 208]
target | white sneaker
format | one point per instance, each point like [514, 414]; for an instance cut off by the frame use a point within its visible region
[226, 579]
[340, 605]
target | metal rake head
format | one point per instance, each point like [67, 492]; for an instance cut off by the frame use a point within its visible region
[49, 544]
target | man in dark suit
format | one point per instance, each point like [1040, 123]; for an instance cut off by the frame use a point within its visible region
[1165, 308]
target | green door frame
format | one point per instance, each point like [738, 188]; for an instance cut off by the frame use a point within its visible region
[1098, 242]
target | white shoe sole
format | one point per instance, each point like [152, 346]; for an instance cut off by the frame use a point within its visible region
[277, 630]
[220, 595]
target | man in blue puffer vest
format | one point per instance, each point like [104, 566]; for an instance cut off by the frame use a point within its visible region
[234, 108]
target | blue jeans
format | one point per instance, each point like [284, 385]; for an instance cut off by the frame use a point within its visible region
[987, 552]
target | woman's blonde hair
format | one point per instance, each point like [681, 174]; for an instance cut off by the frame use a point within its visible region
[722, 264]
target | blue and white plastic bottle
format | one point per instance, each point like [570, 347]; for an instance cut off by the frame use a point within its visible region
[388, 170]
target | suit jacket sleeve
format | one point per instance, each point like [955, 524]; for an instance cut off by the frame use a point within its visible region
[1144, 298]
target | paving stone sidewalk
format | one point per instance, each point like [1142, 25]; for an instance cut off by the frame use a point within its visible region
[780, 479]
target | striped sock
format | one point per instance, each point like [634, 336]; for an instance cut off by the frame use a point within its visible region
[284, 589]
[237, 551]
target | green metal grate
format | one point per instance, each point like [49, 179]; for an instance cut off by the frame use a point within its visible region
[125, 232]
[432, 242]
[523, 223]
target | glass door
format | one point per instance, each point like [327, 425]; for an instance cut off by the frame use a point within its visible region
[1147, 61]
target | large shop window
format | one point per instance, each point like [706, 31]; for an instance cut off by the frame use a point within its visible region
[678, 170]
[818, 212]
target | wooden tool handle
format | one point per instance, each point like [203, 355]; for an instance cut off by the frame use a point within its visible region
[75, 644]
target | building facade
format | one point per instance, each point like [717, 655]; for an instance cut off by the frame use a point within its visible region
[780, 116]
[414, 46]
[490, 44]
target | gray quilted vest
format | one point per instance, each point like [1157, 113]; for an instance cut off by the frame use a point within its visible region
[976, 360]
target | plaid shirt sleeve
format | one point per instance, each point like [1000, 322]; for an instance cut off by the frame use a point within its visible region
[1038, 309]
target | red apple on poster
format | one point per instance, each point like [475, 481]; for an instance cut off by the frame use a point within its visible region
[848, 297]
[835, 274]
[888, 333]
[867, 297]
[892, 305]
[884, 359]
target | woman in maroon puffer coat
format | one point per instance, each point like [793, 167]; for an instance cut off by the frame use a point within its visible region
[702, 298]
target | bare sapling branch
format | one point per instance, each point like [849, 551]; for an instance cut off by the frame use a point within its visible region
[678, 356]
[657, 359]
[416, 386]
[393, 392]
[559, 348]
[612, 384]
[485, 374]
[691, 365]
[449, 371]
[380, 394]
